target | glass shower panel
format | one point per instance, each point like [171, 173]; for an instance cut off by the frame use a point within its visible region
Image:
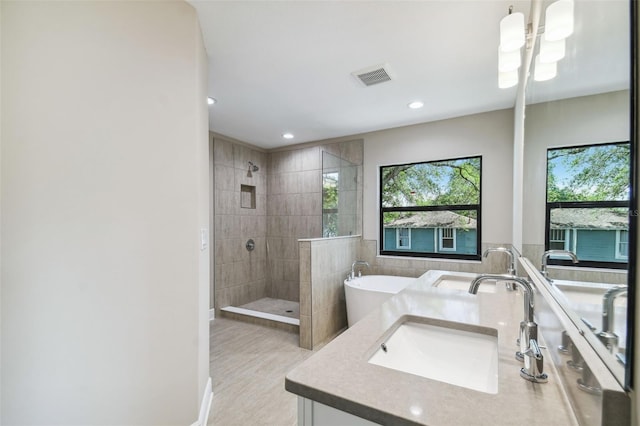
[339, 196]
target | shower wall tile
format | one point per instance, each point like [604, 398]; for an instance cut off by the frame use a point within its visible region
[311, 158]
[227, 202]
[240, 275]
[329, 262]
[352, 151]
[223, 152]
[293, 183]
[305, 332]
[224, 178]
[310, 181]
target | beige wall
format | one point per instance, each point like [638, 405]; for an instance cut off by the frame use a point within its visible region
[489, 134]
[103, 188]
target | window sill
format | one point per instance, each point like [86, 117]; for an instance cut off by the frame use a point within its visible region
[428, 259]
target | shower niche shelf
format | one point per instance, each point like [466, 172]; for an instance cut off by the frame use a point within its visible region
[247, 196]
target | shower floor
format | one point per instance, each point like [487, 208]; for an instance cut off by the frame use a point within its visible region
[272, 310]
[286, 308]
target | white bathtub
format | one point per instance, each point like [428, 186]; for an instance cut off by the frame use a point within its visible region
[366, 293]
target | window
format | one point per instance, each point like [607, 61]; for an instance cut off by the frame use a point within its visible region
[558, 239]
[403, 238]
[588, 204]
[431, 209]
[447, 239]
[622, 244]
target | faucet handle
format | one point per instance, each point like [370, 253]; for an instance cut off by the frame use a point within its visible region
[532, 371]
[588, 324]
[534, 349]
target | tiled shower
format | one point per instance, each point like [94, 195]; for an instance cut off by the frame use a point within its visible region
[274, 206]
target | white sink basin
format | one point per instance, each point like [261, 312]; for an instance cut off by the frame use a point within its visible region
[462, 283]
[461, 358]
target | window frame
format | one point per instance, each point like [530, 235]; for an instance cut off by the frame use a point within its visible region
[437, 254]
[583, 205]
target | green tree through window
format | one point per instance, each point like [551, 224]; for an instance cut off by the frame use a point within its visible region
[588, 202]
[432, 199]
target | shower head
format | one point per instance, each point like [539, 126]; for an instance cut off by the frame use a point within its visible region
[253, 167]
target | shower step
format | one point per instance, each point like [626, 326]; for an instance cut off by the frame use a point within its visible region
[263, 318]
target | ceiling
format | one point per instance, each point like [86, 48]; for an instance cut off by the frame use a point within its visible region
[286, 66]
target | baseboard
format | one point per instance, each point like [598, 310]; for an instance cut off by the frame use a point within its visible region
[205, 406]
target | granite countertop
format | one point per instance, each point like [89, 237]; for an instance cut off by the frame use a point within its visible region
[339, 375]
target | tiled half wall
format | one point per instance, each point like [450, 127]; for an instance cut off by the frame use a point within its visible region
[324, 264]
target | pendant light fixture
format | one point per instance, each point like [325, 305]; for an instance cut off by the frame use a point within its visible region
[558, 26]
[512, 38]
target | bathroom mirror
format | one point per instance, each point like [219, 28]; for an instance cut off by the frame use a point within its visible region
[586, 103]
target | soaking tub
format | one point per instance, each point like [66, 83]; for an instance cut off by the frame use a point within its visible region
[364, 294]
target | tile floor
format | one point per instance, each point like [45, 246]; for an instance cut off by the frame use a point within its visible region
[248, 365]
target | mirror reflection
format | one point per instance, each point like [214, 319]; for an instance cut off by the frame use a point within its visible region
[576, 174]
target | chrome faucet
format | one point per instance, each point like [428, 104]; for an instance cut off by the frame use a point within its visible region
[607, 335]
[511, 270]
[512, 264]
[528, 337]
[545, 258]
[353, 266]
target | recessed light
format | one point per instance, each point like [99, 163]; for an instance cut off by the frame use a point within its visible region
[211, 100]
[416, 105]
[287, 135]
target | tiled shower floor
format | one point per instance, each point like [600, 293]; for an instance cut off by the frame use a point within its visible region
[285, 308]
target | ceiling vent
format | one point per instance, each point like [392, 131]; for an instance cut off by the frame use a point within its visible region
[373, 75]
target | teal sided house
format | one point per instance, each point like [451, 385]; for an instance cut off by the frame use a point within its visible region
[592, 234]
[431, 232]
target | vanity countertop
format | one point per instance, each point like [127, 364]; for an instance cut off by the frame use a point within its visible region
[340, 376]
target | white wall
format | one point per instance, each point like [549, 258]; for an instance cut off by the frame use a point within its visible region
[103, 188]
[489, 134]
[575, 121]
